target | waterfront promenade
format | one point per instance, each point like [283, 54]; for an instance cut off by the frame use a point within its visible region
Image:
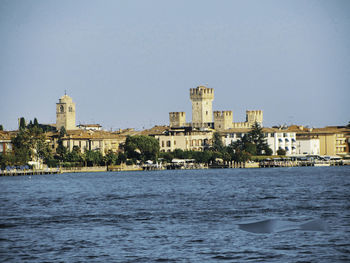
[146, 167]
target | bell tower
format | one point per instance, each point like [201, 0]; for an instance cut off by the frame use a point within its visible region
[65, 113]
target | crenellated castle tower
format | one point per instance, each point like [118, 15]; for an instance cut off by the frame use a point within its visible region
[223, 120]
[253, 116]
[202, 106]
[177, 119]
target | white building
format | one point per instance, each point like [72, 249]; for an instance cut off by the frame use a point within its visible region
[276, 139]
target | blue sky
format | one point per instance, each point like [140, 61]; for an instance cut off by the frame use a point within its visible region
[129, 63]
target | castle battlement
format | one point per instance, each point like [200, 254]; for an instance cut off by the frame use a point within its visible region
[177, 114]
[225, 113]
[202, 92]
[253, 116]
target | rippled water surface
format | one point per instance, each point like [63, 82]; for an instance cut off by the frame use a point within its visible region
[175, 216]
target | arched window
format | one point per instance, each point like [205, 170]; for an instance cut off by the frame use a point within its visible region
[70, 108]
[61, 108]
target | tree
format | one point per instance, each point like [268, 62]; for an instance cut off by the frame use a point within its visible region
[93, 158]
[281, 152]
[217, 142]
[61, 150]
[63, 132]
[202, 157]
[110, 158]
[30, 144]
[141, 147]
[167, 156]
[1, 127]
[257, 137]
[74, 156]
[22, 123]
[36, 124]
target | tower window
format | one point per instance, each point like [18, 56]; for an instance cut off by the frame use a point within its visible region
[70, 109]
[206, 112]
[61, 108]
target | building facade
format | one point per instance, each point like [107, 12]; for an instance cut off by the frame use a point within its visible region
[276, 139]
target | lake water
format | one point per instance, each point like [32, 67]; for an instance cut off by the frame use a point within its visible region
[176, 216]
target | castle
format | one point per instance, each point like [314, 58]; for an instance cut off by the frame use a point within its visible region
[202, 113]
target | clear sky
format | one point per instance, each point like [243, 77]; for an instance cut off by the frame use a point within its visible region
[129, 63]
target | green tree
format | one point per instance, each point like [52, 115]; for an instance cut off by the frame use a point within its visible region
[36, 124]
[93, 158]
[281, 152]
[1, 127]
[63, 132]
[61, 150]
[74, 156]
[217, 142]
[30, 144]
[202, 157]
[257, 137]
[110, 158]
[167, 156]
[22, 123]
[121, 158]
[142, 148]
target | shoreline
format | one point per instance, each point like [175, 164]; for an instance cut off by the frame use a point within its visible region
[128, 168]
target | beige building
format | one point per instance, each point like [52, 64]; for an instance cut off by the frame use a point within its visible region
[5, 141]
[91, 140]
[332, 140]
[65, 113]
[184, 139]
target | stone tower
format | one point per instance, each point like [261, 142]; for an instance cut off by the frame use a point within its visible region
[65, 113]
[177, 119]
[223, 120]
[202, 106]
[253, 116]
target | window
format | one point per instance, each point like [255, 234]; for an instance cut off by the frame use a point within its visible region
[206, 112]
[168, 143]
[70, 108]
[61, 108]
[174, 142]
[162, 143]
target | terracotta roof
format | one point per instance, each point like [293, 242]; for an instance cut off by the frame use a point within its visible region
[83, 134]
[156, 130]
[7, 135]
